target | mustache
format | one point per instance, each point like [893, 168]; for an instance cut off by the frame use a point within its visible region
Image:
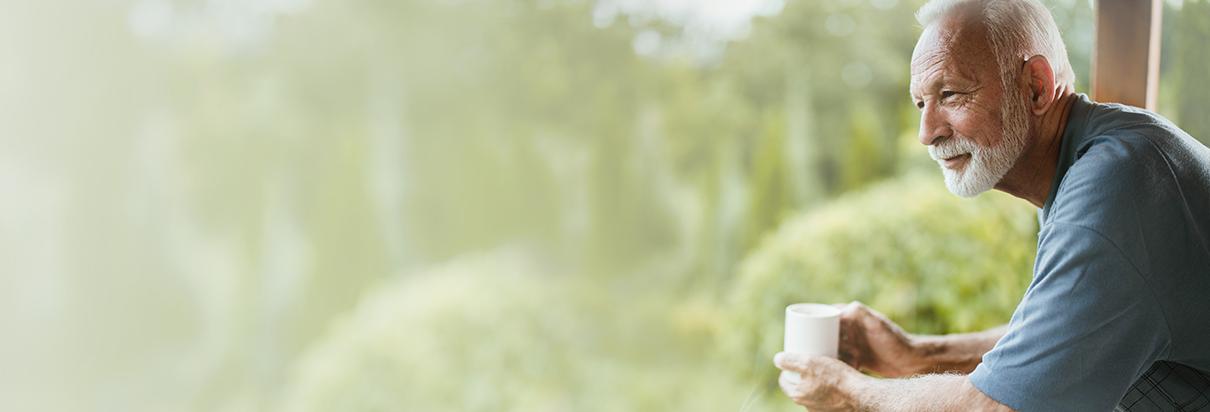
[951, 147]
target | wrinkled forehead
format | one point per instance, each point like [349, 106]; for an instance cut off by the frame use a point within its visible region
[934, 40]
[961, 32]
[952, 48]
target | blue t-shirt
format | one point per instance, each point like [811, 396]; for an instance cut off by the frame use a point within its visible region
[1122, 278]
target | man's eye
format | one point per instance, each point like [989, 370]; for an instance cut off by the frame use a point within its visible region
[945, 94]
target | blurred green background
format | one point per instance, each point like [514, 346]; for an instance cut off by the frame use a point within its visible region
[469, 205]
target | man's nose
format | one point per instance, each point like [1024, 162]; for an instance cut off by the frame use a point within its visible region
[933, 125]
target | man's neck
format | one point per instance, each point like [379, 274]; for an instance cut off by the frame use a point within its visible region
[1031, 177]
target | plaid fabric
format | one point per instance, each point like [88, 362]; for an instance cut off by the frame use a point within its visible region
[1168, 386]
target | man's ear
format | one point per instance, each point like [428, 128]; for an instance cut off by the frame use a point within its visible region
[1041, 83]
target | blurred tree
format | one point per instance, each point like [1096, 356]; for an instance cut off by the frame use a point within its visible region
[1183, 67]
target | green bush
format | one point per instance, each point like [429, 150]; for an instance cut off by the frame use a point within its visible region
[500, 332]
[452, 337]
[931, 261]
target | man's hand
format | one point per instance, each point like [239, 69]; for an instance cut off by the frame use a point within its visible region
[871, 342]
[824, 384]
[817, 382]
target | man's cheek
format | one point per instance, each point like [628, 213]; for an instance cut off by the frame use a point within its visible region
[971, 127]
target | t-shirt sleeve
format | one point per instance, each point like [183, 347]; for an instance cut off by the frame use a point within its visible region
[1087, 328]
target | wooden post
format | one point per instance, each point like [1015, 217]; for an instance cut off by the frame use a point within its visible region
[1126, 58]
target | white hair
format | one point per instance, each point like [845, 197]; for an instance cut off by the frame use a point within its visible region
[1016, 29]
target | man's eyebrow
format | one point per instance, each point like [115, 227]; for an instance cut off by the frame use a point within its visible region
[949, 80]
[917, 90]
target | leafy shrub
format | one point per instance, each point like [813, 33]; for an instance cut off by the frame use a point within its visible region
[499, 332]
[931, 261]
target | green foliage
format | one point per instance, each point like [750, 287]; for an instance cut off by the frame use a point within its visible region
[476, 334]
[1184, 73]
[931, 261]
[499, 332]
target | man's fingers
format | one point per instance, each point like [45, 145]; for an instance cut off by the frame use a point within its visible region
[849, 356]
[790, 362]
[847, 306]
[789, 381]
[791, 378]
[800, 363]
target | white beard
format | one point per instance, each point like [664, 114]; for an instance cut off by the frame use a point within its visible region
[986, 165]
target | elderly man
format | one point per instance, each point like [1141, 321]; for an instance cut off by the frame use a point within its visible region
[1118, 312]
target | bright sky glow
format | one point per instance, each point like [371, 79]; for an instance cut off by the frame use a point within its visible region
[705, 25]
[719, 19]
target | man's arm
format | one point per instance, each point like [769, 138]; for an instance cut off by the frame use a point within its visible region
[825, 384]
[939, 392]
[871, 342]
[959, 353]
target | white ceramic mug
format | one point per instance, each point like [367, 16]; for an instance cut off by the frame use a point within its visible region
[812, 329]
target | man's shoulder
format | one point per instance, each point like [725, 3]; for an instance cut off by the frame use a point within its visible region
[1137, 184]
[1148, 135]
[1118, 178]
[1110, 168]
[1113, 118]
[1126, 152]
[1133, 147]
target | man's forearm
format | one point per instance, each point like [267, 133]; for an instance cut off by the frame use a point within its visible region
[938, 392]
[959, 353]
